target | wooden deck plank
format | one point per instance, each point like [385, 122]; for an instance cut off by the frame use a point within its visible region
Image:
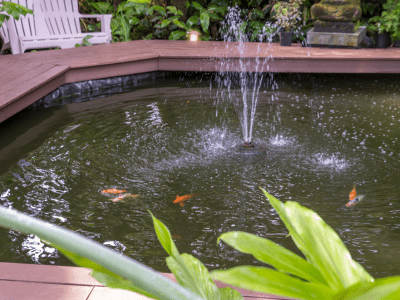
[26, 86]
[15, 70]
[95, 56]
[13, 101]
[17, 82]
[46, 274]
[17, 290]
[46, 277]
[185, 49]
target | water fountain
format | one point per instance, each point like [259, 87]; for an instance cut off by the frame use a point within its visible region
[245, 100]
[324, 134]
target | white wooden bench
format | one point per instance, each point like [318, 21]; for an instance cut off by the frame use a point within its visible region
[55, 23]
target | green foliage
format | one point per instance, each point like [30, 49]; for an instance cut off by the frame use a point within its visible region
[85, 41]
[328, 272]
[388, 21]
[14, 10]
[189, 271]
[287, 14]
[109, 267]
[140, 20]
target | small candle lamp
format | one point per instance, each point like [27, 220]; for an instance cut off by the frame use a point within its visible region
[193, 35]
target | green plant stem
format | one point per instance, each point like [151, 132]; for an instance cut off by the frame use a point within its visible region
[139, 274]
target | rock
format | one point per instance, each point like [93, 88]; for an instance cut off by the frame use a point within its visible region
[327, 26]
[339, 13]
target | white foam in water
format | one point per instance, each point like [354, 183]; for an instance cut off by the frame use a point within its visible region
[216, 139]
[280, 140]
[332, 161]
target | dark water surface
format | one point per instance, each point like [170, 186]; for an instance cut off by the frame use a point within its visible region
[324, 134]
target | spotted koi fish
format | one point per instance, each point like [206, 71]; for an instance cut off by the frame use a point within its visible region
[180, 199]
[113, 191]
[121, 197]
[353, 198]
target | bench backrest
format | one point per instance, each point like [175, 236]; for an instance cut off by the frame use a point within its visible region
[51, 17]
[61, 16]
[4, 33]
[26, 25]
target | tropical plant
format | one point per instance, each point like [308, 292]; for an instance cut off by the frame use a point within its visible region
[389, 19]
[189, 271]
[377, 24]
[287, 14]
[109, 267]
[328, 272]
[207, 17]
[12, 9]
[146, 21]
[85, 41]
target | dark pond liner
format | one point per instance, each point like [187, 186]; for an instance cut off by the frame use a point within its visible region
[93, 89]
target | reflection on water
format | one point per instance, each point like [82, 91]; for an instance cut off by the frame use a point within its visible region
[324, 134]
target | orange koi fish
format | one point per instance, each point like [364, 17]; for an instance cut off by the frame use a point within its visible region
[113, 191]
[121, 197]
[180, 199]
[353, 198]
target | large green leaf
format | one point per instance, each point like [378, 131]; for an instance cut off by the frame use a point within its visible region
[172, 9]
[164, 236]
[102, 7]
[217, 9]
[198, 6]
[160, 9]
[320, 244]
[15, 10]
[101, 274]
[124, 28]
[205, 285]
[180, 24]
[192, 21]
[176, 35]
[165, 23]
[270, 253]
[92, 254]
[2, 18]
[204, 21]
[229, 294]
[381, 289]
[266, 280]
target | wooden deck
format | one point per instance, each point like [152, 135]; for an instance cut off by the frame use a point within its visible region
[25, 78]
[39, 282]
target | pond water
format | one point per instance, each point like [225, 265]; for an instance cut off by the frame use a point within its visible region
[324, 134]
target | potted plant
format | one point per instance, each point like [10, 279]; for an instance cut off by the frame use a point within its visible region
[392, 16]
[287, 15]
[387, 25]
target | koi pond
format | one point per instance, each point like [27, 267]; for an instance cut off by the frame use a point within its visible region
[323, 135]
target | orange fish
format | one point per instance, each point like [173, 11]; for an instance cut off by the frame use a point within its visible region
[121, 197]
[352, 194]
[353, 198]
[180, 199]
[113, 191]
